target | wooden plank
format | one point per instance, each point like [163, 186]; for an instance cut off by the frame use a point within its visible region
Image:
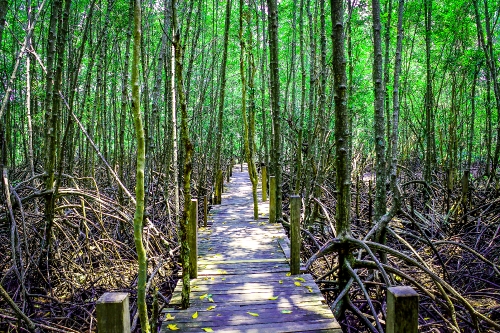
[308, 326]
[244, 267]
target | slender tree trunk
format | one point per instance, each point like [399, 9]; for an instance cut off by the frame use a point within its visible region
[302, 99]
[395, 99]
[275, 102]
[140, 169]
[222, 91]
[124, 103]
[387, 42]
[429, 130]
[380, 167]
[342, 161]
[248, 121]
[188, 152]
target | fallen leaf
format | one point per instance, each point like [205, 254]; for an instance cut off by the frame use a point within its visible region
[286, 311]
[309, 288]
[273, 298]
[195, 315]
[223, 279]
[210, 299]
[207, 329]
[253, 314]
[203, 296]
[280, 281]
[288, 274]
[195, 287]
[297, 283]
[211, 307]
[169, 317]
[173, 327]
[300, 279]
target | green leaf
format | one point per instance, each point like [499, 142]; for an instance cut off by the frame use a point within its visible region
[195, 315]
[173, 327]
[286, 311]
[280, 281]
[253, 314]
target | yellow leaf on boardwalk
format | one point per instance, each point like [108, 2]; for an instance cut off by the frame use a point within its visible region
[173, 327]
[211, 307]
[203, 296]
[273, 298]
[207, 329]
[288, 274]
[195, 315]
[169, 317]
[286, 311]
[253, 314]
[280, 281]
[297, 283]
[300, 279]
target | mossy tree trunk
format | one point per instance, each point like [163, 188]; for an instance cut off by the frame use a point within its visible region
[188, 155]
[248, 121]
[141, 164]
[222, 91]
[342, 161]
[275, 102]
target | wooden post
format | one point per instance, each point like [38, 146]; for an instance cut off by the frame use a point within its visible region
[264, 183]
[205, 211]
[295, 234]
[113, 314]
[193, 238]
[402, 310]
[228, 174]
[272, 199]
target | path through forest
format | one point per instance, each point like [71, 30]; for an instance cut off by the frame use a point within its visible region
[243, 282]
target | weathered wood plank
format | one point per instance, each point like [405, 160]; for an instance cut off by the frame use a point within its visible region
[244, 267]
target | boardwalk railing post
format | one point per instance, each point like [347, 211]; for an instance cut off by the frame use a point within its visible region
[402, 310]
[193, 238]
[113, 314]
[295, 234]
[272, 199]
[264, 183]
[205, 211]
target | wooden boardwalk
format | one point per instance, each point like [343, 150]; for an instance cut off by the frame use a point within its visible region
[243, 283]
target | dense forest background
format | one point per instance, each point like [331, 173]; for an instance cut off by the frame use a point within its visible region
[390, 108]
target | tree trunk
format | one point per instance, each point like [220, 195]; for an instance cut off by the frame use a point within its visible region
[140, 168]
[222, 91]
[342, 162]
[275, 102]
[187, 159]
[380, 167]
